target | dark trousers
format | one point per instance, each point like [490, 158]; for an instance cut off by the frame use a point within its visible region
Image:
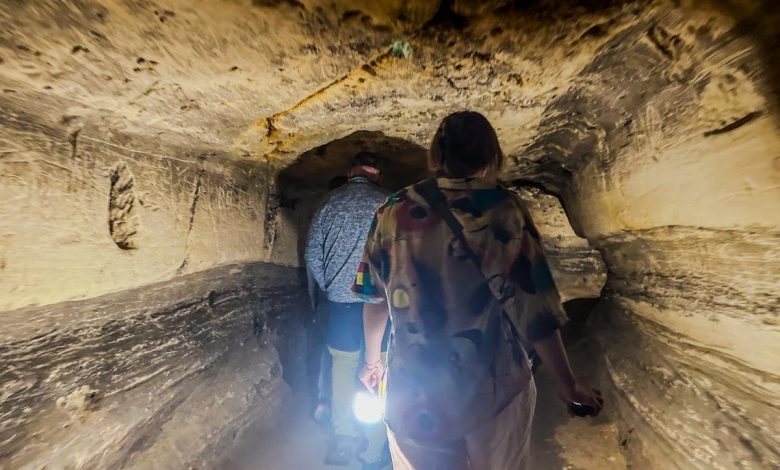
[345, 327]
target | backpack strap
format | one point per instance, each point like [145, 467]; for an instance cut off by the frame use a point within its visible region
[430, 191]
[435, 198]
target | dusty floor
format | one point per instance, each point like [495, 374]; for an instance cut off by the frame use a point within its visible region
[558, 442]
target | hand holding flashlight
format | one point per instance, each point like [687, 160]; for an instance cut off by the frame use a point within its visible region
[371, 375]
[370, 407]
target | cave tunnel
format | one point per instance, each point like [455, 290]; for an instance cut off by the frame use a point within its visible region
[160, 162]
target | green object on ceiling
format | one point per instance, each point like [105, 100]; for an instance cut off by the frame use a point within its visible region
[401, 48]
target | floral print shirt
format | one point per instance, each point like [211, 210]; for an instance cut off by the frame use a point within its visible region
[450, 336]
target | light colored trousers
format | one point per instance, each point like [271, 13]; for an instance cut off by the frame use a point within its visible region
[346, 365]
[501, 443]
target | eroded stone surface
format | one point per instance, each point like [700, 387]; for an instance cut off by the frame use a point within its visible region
[578, 269]
[692, 319]
[165, 375]
[114, 212]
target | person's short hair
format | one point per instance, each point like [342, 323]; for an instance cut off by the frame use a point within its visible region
[365, 158]
[464, 145]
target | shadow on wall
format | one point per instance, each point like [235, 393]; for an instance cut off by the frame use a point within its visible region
[302, 185]
[759, 22]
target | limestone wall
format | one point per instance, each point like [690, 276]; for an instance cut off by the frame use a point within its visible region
[664, 150]
[162, 376]
[87, 211]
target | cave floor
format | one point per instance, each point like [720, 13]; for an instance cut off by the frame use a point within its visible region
[558, 442]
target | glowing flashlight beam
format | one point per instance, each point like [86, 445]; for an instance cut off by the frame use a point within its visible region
[368, 408]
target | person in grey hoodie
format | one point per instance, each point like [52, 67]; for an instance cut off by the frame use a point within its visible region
[333, 250]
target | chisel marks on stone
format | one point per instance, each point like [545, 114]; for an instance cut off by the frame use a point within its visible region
[122, 220]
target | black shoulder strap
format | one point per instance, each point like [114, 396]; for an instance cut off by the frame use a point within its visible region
[430, 191]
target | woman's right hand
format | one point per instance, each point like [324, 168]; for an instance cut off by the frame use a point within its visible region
[371, 375]
[581, 400]
[581, 394]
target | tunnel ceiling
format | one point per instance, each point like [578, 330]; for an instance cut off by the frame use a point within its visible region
[266, 81]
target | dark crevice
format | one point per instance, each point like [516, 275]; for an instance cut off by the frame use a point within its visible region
[663, 41]
[73, 139]
[195, 197]
[273, 3]
[271, 213]
[735, 125]
[193, 208]
[446, 17]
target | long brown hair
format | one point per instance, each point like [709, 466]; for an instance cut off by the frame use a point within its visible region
[464, 145]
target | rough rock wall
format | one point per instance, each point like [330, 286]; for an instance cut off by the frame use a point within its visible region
[118, 169]
[162, 376]
[577, 268]
[86, 211]
[194, 72]
[691, 336]
[664, 150]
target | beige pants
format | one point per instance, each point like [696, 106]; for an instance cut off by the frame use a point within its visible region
[346, 365]
[501, 443]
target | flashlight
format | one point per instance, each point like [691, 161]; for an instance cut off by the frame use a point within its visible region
[368, 407]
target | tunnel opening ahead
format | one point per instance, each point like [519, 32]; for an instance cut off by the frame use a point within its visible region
[403, 162]
[300, 188]
[578, 268]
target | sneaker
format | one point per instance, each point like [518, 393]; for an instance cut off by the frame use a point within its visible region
[343, 450]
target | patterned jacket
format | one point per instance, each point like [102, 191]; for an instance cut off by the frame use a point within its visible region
[450, 337]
